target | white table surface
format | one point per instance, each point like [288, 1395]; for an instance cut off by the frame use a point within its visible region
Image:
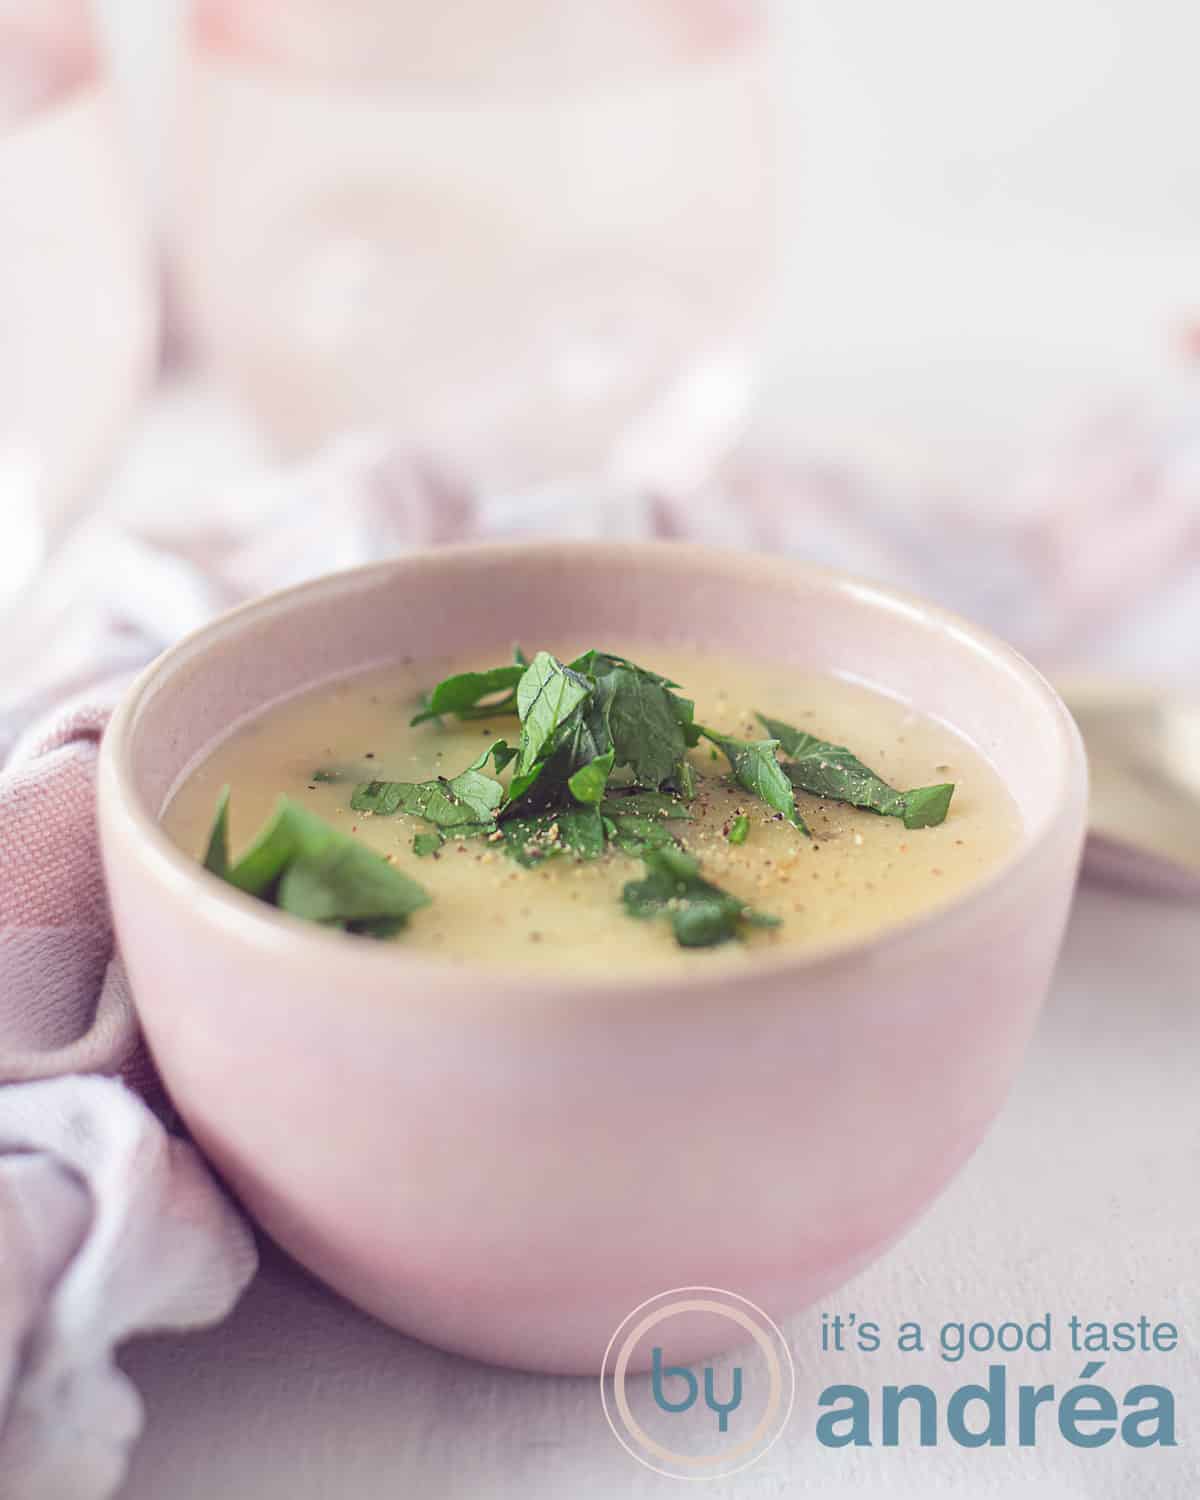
[1083, 1199]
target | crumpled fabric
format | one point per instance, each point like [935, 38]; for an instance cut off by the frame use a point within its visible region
[110, 1224]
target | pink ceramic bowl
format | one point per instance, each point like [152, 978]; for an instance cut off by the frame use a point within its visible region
[506, 1166]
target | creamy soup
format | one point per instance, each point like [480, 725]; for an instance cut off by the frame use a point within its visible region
[858, 873]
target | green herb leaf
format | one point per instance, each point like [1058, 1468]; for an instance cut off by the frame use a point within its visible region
[325, 776]
[827, 770]
[563, 729]
[579, 832]
[460, 695]
[546, 695]
[440, 802]
[756, 767]
[303, 865]
[635, 835]
[578, 722]
[465, 804]
[685, 779]
[427, 843]
[739, 829]
[600, 662]
[927, 806]
[582, 740]
[346, 883]
[377, 927]
[500, 751]
[588, 784]
[291, 833]
[644, 804]
[651, 726]
[702, 915]
[216, 856]
[638, 821]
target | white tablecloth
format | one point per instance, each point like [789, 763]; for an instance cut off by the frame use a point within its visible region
[1082, 1200]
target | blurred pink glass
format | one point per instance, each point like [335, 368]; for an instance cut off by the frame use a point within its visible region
[77, 295]
[531, 233]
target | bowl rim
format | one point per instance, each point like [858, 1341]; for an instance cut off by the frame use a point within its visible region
[276, 934]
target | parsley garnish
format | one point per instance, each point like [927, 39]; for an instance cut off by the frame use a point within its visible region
[627, 801]
[580, 722]
[579, 831]
[302, 865]
[756, 767]
[463, 805]
[463, 694]
[548, 696]
[701, 914]
[589, 782]
[651, 728]
[831, 771]
[601, 762]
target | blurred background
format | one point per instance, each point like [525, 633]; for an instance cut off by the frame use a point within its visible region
[909, 289]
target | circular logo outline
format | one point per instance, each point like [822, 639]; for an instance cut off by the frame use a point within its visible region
[687, 1299]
